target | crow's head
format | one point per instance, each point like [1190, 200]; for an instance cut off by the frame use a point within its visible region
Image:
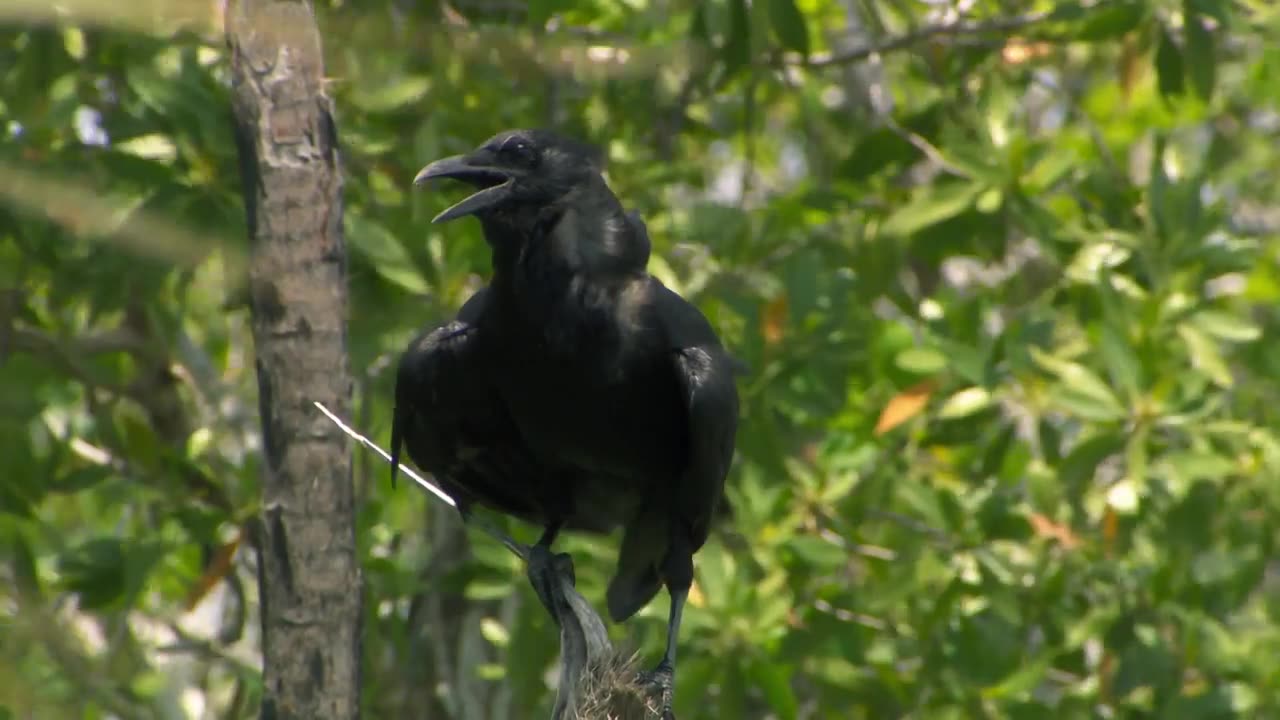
[515, 169]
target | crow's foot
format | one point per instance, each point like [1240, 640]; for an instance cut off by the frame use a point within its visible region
[662, 678]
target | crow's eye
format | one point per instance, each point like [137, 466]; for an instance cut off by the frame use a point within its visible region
[518, 151]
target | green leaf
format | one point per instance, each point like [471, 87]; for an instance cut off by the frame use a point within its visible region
[1122, 362]
[698, 28]
[1201, 464]
[495, 632]
[388, 257]
[1201, 59]
[26, 576]
[921, 360]
[774, 681]
[81, 478]
[144, 448]
[1081, 391]
[1109, 20]
[1205, 356]
[154, 146]
[1169, 72]
[95, 571]
[929, 207]
[1087, 405]
[736, 51]
[540, 11]
[966, 361]
[401, 92]
[1079, 466]
[824, 555]
[965, 403]
[1226, 326]
[17, 500]
[788, 25]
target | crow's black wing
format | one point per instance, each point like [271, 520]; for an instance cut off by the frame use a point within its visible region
[436, 389]
[453, 424]
[704, 374]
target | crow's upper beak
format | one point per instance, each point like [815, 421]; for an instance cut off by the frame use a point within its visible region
[494, 183]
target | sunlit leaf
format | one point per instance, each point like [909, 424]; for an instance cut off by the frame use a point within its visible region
[1081, 391]
[931, 207]
[1226, 326]
[965, 402]
[1205, 355]
[1123, 497]
[921, 360]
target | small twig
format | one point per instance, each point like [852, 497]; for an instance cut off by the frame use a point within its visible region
[749, 141]
[939, 537]
[671, 121]
[849, 616]
[516, 548]
[927, 148]
[69, 360]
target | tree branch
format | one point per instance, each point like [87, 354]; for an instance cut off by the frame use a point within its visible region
[960, 28]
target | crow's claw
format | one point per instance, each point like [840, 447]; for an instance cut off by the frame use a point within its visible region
[663, 678]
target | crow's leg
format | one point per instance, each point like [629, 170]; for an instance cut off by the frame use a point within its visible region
[550, 532]
[543, 568]
[677, 573]
[467, 513]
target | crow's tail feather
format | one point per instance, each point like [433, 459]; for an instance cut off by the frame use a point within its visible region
[636, 579]
[628, 593]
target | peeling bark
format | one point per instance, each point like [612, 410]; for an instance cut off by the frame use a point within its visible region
[309, 576]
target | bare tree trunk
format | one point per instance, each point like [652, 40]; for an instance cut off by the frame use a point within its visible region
[309, 576]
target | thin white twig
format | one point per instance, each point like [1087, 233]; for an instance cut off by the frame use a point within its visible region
[386, 456]
[519, 550]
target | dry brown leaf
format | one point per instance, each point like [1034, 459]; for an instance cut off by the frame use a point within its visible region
[1047, 528]
[905, 405]
[218, 568]
[773, 320]
[1110, 528]
[1129, 68]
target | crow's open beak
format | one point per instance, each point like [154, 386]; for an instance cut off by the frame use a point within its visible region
[494, 183]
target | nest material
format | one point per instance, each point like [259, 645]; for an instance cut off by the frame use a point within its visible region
[597, 682]
[611, 689]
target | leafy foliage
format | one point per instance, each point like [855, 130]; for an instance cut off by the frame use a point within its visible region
[1004, 283]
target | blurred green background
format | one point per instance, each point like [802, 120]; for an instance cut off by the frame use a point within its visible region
[1005, 274]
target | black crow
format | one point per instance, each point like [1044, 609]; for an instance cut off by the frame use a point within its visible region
[616, 386]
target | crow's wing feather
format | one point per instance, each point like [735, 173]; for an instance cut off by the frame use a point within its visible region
[704, 373]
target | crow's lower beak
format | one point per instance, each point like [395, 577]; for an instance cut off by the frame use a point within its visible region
[494, 184]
